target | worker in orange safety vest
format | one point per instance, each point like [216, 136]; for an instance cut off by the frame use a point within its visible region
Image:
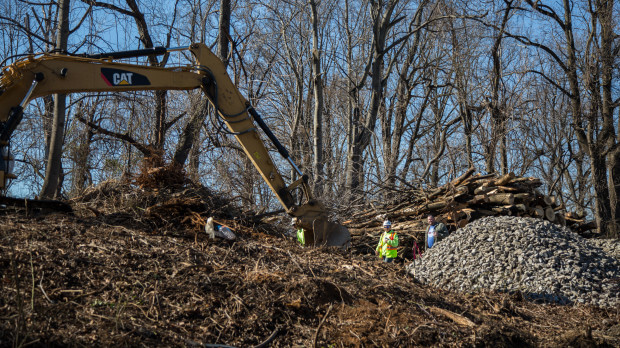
[388, 243]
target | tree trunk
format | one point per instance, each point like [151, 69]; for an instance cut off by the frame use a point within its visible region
[392, 142]
[159, 131]
[381, 15]
[224, 30]
[614, 191]
[317, 119]
[498, 110]
[81, 155]
[459, 58]
[191, 131]
[605, 10]
[200, 106]
[353, 119]
[601, 193]
[51, 187]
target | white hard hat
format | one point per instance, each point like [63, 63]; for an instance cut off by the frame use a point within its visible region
[387, 223]
[293, 221]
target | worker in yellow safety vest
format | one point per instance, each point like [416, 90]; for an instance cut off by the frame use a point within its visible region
[388, 243]
[301, 237]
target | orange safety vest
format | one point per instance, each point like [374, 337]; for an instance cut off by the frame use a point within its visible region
[389, 248]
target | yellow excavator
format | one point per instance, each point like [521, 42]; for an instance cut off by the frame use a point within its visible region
[38, 75]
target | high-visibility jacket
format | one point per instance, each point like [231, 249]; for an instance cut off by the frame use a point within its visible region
[388, 244]
[301, 238]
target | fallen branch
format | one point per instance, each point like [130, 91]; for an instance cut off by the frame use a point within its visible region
[459, 319]
[316, 335]
[271, 337]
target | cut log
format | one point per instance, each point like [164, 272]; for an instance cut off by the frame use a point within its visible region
[555, 202]
[570, 221]
[459, 192]
[523, 197]
[480, 177]
[505, 179]
[522, 187]
[537, 211]
[508, 189]
[502, 198]
[467, 212]
[575, 215]
[408, 224]
[462, 223]
[484, 189]
[437, 205]
[493, 191]
[478, 199]
[463, 177]
[465, 199]
[516, 209]
[560, 207]
[485, 212]
[559, 218]
[550, 214]
[502, 211]
[533, 182]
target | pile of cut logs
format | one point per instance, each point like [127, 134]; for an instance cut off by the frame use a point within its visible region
[470, 197]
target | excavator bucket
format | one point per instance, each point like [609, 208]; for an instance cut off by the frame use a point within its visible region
[329, 233]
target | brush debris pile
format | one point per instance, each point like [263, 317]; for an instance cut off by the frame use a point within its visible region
[185, 207]
[466, 199]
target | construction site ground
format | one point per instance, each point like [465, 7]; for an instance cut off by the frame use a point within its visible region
[98, 278]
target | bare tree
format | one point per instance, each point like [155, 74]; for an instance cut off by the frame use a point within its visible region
[593, 124]
[199, 108]
[463, 53]
[381, 14]
[161, 125]
[317, 119]
[52, 183]
[409, 78]
[498, 107]
[80, 148]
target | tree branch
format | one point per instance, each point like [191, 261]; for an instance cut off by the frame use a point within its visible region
[18, 24]
[173, 121]
[547, 11]
[528, 42]
[90, 8]
[109, 7]
[124, 137]
[555, 84]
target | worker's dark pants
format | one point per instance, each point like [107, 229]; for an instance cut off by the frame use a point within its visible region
[388, 259]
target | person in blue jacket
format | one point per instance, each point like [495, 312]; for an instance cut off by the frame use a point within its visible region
[434, 232]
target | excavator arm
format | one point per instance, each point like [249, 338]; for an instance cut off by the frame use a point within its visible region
[36, 76]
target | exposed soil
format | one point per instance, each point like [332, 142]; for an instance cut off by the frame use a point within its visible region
[133, 277]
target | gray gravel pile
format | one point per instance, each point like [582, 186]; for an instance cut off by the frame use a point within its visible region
[541, 260]
[610, 246]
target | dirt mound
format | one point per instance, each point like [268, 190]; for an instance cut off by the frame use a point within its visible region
[119, 278]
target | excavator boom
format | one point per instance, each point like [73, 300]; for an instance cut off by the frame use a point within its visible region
[36, 76]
